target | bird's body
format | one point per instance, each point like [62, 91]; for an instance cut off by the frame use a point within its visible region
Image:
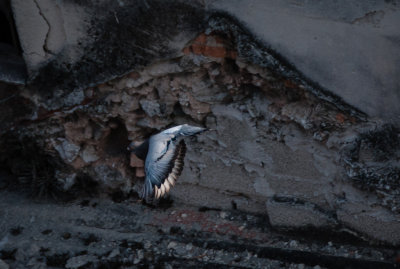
[164, 157]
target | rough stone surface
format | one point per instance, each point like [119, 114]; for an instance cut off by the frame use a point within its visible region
[277, 140]
[376, 222]
[100, 233]
[270, 137]
[73, 38]
[135, 161]
[4, 265]
[67, 151]
[79, 261]
[289, 216]
[89, 154]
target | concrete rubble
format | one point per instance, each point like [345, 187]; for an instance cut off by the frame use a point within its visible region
[100, 233]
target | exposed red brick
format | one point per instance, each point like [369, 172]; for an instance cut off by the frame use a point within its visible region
[290, 84]
[135, 161]
[134, 75]
[140, 172]
[340, 118]
[197, 48]
[220, 40]
[78, 163]
[210, 46]
[202, 38]
[102, 85]
[186, 50]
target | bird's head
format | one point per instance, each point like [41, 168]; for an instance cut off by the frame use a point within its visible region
[133, 146]
[140, 149]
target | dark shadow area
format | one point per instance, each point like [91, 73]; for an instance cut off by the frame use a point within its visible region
[117, 140]
[28, 169]
[12, 65]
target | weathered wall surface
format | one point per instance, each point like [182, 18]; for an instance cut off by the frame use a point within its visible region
[307, 157]
[350, 48]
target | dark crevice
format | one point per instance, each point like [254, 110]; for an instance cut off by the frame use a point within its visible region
[117, 140]
[12, 65]
[5, 31]
[8, 33]
[33, 168]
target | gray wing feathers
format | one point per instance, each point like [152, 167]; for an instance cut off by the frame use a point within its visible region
[156, 168]
[147, 190]
[164, 161]
[174, 172]
[161, 175]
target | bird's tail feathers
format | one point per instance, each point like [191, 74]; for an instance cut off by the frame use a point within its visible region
[148, 192]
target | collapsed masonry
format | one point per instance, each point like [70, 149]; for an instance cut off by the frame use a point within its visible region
[279, 145]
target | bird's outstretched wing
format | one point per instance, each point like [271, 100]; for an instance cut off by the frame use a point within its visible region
[164, 160]
[163, 169]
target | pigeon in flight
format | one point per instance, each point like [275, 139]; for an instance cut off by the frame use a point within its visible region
[163, 154]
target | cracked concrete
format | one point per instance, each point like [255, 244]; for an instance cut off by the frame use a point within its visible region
[41, 33]
[32, 44]
[45, 48]
[55, 37]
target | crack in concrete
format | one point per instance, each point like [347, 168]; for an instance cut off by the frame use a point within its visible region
[45, 48]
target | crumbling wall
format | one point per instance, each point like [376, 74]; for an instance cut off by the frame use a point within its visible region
[279, 145]
[274, 147]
